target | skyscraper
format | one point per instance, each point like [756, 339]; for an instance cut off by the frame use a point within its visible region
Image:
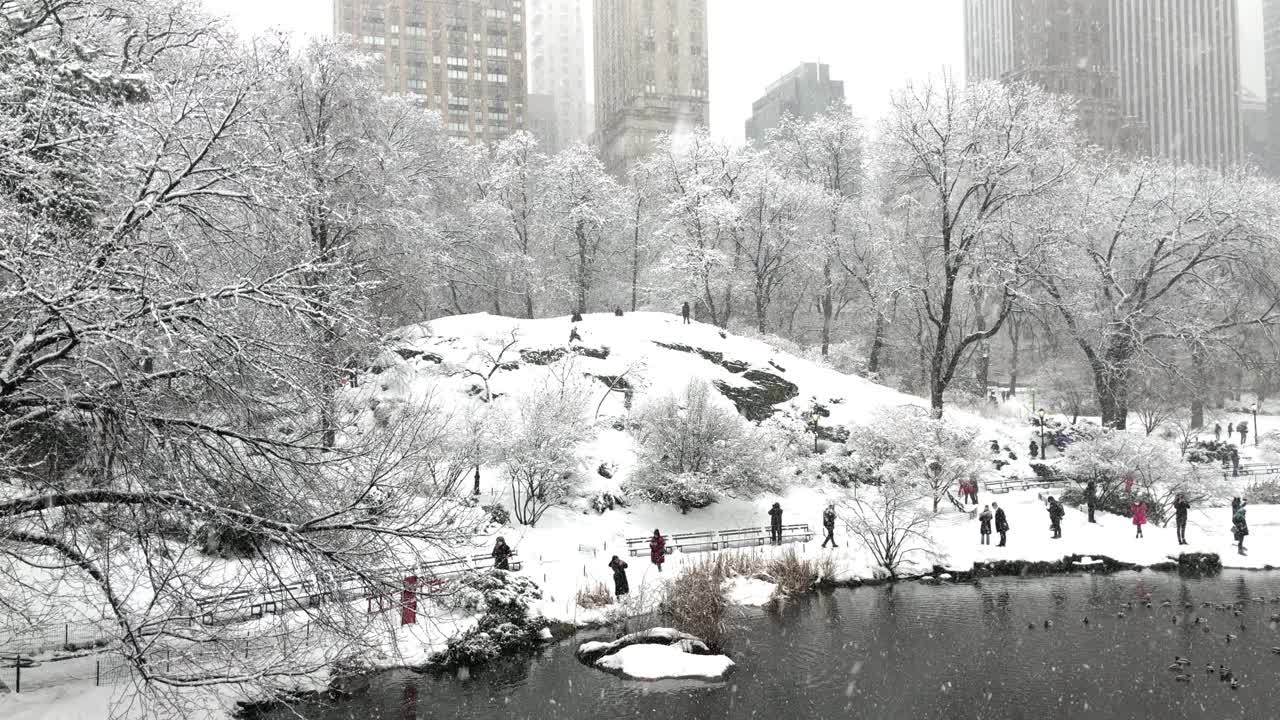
[558, 68]
[1271, 48]
[1064, 46]
[464, 59]
[1180, 74]
[1170, 65]
[650, 74]
[803, 92]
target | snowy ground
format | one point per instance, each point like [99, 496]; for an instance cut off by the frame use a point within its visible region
[570, 548]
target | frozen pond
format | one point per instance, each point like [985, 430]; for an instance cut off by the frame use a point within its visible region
[914, 651]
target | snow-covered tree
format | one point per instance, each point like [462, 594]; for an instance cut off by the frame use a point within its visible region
[968, 162]
[582, 205]
[1146, 256]
[694, 448]
[892, 521]
[908, 445]
[548, 421]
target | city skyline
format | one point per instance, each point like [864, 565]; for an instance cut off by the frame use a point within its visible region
[873, 47]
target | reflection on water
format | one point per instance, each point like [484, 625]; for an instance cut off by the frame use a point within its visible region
[914, 651]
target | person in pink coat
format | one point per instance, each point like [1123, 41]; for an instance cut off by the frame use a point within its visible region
[1139, 511]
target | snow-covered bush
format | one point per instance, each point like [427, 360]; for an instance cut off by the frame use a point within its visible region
[907, 444]
[890, 520]
[1270, 442]
[695, 447]
[549, 421]
[1153, 470]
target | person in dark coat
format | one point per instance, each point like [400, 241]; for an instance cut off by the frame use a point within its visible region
[475, 489]
[501, 554]
[1035, 450]
[619, 568]
[1002, 522]
[829, 524]
[657, 549]
[1239, 527]
[1180, 508]
[973, 491]
[775, 524]
[1243, 428]
[684, 312]
[1217, 431]
[1055, 517]
[1235, 462]
[1091, 498]
[984, 526]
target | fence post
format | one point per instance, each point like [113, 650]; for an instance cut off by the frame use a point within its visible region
[66, 635]
[97, 673]
[17, 673]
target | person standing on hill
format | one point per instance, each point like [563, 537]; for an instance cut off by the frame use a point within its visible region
[1055, 517]
[1239, 527]
[1091, 498]
[984, 526]
[829, 524]
[775, 524]
[1002, 523]
[1180, 508]
[657, 549]
[684, 312]
[1139, 512]
[619, 568]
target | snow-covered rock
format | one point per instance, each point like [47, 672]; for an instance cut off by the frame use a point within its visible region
[661, 662]
[749, 591]
[589, 652]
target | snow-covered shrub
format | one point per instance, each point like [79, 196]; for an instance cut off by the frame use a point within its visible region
[497, 514]
[891, 521]
[1210, 451]
[907, 444]
[1153, 470]
[1270, 442]
[549, 421]
[694, 448]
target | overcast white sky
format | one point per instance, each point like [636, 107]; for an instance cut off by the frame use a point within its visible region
[874, 46]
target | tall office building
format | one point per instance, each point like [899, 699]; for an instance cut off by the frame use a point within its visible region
[1064, 46]
[557, 48]
[1254, 130]
[1171, 65]
[650, 74]
[803, 92]
[1271, 48]
[462, 58]
[1180, 73]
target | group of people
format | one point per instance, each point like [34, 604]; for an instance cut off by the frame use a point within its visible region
[1241, 427]
[618, 566]
[984, 524]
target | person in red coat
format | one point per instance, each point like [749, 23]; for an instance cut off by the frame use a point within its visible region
[657, 549]
[1139, 516]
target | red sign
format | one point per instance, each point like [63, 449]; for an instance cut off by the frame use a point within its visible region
[409, 601]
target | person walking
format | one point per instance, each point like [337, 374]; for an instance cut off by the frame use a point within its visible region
[684, 312]
[1091, 498]
[973, 490]
[1239, 527]
[657, 549]
[1180, 508]
[1243, 428]
[619, 568]
[1139, 512]
[1002, 523]
[964, 492]
[829, 524]
[775, 524]
[1055, 517]
[501, 554]
[1217, 432]
[984, 525]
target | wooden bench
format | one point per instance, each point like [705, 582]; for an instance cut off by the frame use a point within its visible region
[720, 539]
[1004, 485]
[1251, 469]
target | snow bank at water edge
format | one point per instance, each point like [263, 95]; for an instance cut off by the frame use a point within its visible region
[749, 591]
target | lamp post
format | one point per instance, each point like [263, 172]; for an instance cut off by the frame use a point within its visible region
[1254, 408]
[1044, 451]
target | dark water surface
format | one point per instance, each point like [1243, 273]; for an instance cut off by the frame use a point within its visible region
[913, 651]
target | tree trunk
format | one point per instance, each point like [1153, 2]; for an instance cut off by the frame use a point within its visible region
[582, 268]
[825, 302]
[1014, 338]
[635, 269]
[1200, 378]
[877, 343]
